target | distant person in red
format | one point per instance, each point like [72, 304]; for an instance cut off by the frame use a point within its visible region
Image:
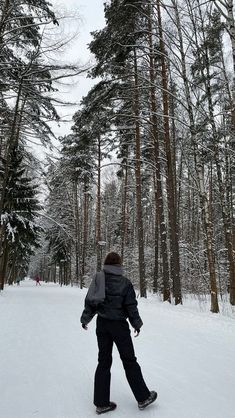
[37, 278]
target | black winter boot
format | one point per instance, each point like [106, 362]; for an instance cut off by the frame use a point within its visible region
[103, 409]
[152, 397]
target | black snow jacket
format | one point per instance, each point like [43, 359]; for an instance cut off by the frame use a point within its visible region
[120, 300]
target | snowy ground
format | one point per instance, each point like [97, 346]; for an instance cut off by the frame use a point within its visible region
[48, 361]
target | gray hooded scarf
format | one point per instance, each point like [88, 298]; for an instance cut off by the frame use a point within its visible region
[96, 291]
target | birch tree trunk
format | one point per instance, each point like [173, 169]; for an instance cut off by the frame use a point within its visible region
[139, 220]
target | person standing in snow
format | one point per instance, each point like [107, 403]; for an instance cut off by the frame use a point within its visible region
[117, 303]
[37, 278]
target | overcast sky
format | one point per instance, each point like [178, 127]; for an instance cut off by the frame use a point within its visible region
[91, 17]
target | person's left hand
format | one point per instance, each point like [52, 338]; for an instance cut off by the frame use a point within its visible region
[84, 326]
[137, 331]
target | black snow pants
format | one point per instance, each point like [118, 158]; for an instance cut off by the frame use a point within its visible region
[118, 332]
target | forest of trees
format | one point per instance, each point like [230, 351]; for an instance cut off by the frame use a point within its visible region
[148, 168]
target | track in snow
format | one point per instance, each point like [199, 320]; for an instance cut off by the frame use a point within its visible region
[48, 361]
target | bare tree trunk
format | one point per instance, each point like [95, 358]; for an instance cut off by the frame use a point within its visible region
[159, 206]
[77, 243]
[200, 174]
[4, 261]
[85, 229]
[54, 273]
[227, 11]
[124, 209]
[162, 227]
[172, 208]
[210, 254]
[225, 213]
[71, 281]
[156, 240]
[139, 221]
[60, 275]
[231, 31]
[98, 209]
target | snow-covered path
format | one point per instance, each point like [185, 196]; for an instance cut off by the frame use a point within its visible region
[47, 360]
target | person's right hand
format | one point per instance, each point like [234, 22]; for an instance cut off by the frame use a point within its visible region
[84, 326]
[137, 331]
